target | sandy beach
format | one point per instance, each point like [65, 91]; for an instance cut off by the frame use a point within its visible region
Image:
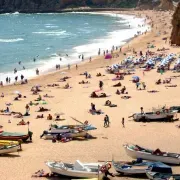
[75, 102]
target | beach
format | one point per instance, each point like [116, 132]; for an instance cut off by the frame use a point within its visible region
[75, 102]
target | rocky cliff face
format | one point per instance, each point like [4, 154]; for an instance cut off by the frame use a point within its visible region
[166, 5]
[175, 35]
[56, 5]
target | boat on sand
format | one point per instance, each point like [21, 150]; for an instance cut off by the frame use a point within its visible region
[162, 176]
[78, 169]
[136, 151]
[6, 149]
[13, 136]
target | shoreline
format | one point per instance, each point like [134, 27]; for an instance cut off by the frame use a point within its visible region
[79, 61]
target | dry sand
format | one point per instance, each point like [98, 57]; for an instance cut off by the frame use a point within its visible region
[75, 102]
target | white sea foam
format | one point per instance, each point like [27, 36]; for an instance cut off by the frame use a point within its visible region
[51, 33]
[11, 40]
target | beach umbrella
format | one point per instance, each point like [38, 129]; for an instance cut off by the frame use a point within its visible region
[108, 56]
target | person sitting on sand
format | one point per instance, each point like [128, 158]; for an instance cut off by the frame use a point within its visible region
[98, 74]
[158, 81]
[49, 117]
[66, 86]
[22, 122]
[93, 107]
[57, 118]
[123, 90]
[40, 116]
[94, 95]
[108, 103]
[117, 85]
[89, 76]
[2, 95]
[16, 99]
[118, 92]
[41, 173]
[39, 98]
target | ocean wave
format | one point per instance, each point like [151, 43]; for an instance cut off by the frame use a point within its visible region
[51, 33]
[51, 26]
[11, 40]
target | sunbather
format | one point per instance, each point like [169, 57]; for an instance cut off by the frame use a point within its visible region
[118, 92]
[126, 97]
[67, 86]
[39, 98]
[22, 122]
[94, 95]
[40, 116]
[42, 109]
[117, 85]
[49, 117]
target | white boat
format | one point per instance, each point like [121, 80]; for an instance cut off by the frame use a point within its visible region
[78, 169]
[6, 149]
[131, 168]
[136, 151]
[161, 176]
[73, 134]
[154, 116]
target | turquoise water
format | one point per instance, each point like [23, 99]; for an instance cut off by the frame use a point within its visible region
[47, 37]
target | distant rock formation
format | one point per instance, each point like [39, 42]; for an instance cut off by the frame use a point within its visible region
[175, 35]
[148, 4]
[166, 5]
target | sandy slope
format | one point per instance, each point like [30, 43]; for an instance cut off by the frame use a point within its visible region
[75, 102]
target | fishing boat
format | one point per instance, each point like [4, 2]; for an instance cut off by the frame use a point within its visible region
[136, 151]
[69, 134]
[131, 168]
[162, 176]
[67, 128]
[6, 149]
[8, 142]
[78, 169]
[13, 136]
[159, 114]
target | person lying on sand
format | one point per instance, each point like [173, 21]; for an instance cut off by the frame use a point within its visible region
[41, 173]
[49, 117]
[52, 85]
[42, 109]
[84, 82]
[108, 103]
[64, 79]
[94, 95]
[153, 91]
[16, 98]
[18, 115]
[47, 96]
[171, 85]
[126, 97]
[117, 85]
[40, 116]
[31, 103]
[22, 122]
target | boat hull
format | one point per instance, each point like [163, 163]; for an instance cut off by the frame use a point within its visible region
[147, 156]
[74, 173]
[9, 149]
[15, 138]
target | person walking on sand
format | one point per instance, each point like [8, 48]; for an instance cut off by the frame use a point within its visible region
[106, 121]
[101, 85]
[76, 66]
[123, 123]
[68, 66]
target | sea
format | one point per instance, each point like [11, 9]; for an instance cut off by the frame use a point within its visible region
[31, 41]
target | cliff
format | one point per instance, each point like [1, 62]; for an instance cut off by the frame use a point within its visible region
[58, 5]
[33, 6]
[175, 35]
